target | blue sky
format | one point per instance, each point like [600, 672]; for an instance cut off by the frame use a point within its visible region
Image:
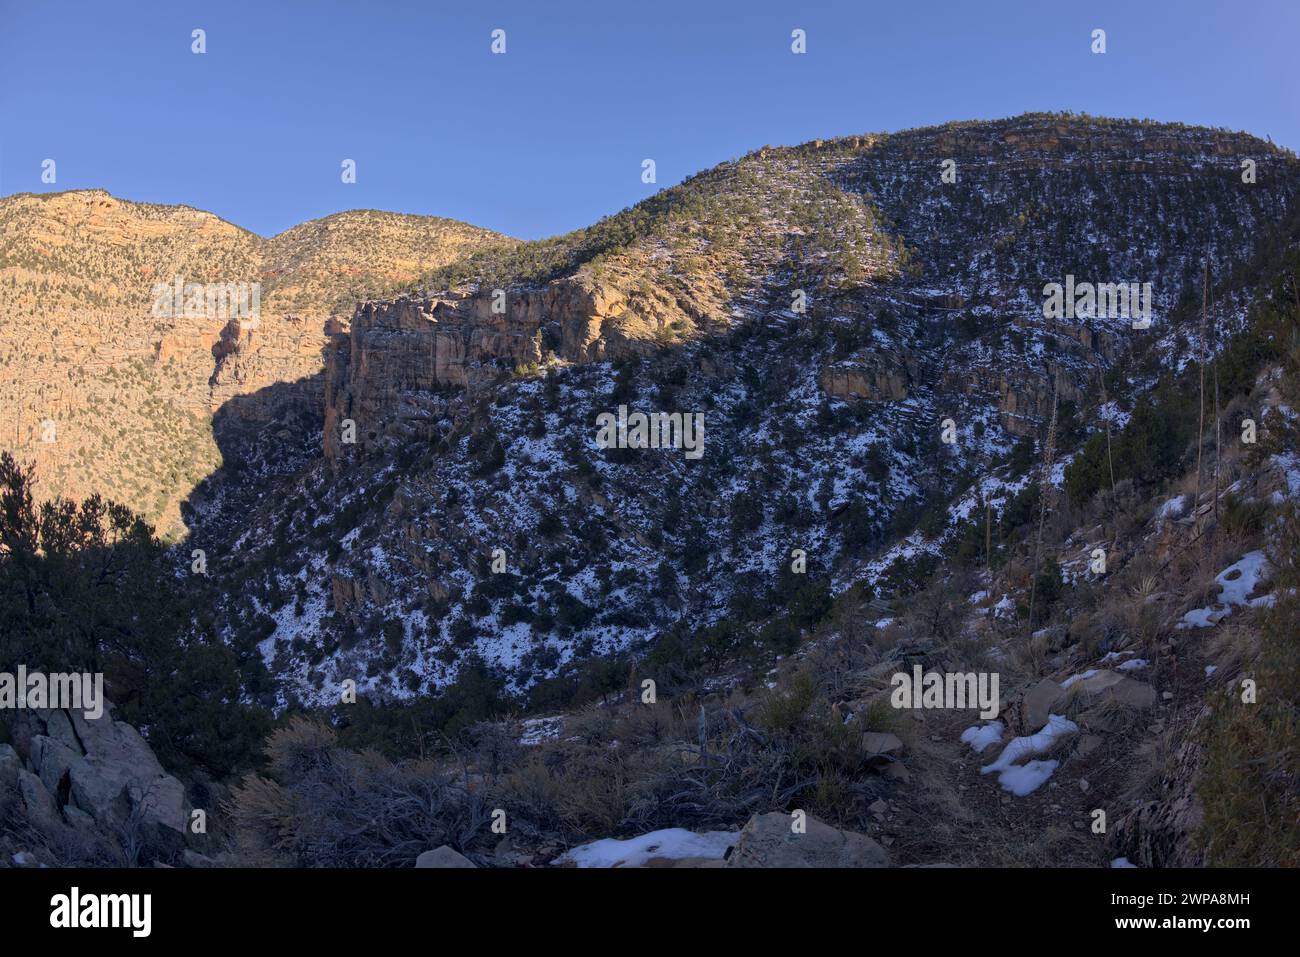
[551, 135]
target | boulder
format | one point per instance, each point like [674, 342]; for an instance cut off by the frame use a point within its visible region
[38, 805]
[104, 769]
[769, 841]
[53, 724]
[10, 765]
[443, 856]
[1111, 685]
[52, 761]
[1039, 702]
[78, 818]
[881, 748]
[161, 802]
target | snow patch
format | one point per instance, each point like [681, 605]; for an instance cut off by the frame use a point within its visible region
[1079, 677]
[673, 842]
[980, 738]
[1171, 509]
[1236, 583]
[1022, 779]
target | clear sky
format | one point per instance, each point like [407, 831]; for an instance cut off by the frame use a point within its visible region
[551, 135]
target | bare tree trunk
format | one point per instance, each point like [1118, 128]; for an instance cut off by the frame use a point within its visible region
[1049, 453]
[988, 534]
[1200, 430]
[1218, 426]
[1110, 459]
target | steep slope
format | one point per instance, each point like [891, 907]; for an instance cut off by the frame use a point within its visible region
[836, 312]
[108, 393]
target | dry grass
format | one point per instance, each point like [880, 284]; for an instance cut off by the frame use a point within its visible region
[323, 806]
[1250, 784]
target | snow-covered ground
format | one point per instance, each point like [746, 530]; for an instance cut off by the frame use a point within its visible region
[1023, 779]
[675, 843]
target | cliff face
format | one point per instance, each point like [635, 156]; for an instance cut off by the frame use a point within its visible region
[109, 393]
[901, 245]
[399, 357]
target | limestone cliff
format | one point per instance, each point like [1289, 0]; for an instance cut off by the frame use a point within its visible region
[108, 393]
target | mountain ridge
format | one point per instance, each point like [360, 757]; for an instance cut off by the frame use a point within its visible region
[923, 303]
[910, 463]
[83, 268]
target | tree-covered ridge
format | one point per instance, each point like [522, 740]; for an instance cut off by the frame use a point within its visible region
[797, 186]
[735, 220]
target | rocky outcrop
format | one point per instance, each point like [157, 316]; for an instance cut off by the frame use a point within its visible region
[388, 372]
[1025, 400]
[91, 323]
[349, 593]
[880, 381]
[66, 775]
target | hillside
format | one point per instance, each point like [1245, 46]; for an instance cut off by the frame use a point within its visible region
[899, 450]
[475, 429]
[131, 394]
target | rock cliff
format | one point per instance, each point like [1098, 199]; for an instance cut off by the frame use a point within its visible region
[107, 392]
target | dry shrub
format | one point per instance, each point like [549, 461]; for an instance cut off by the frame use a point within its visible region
[644, 725]
[1030, 657]
[1233, 644]
[323, 806]
[575, 790]
[1154, 762]
[1089, 632]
